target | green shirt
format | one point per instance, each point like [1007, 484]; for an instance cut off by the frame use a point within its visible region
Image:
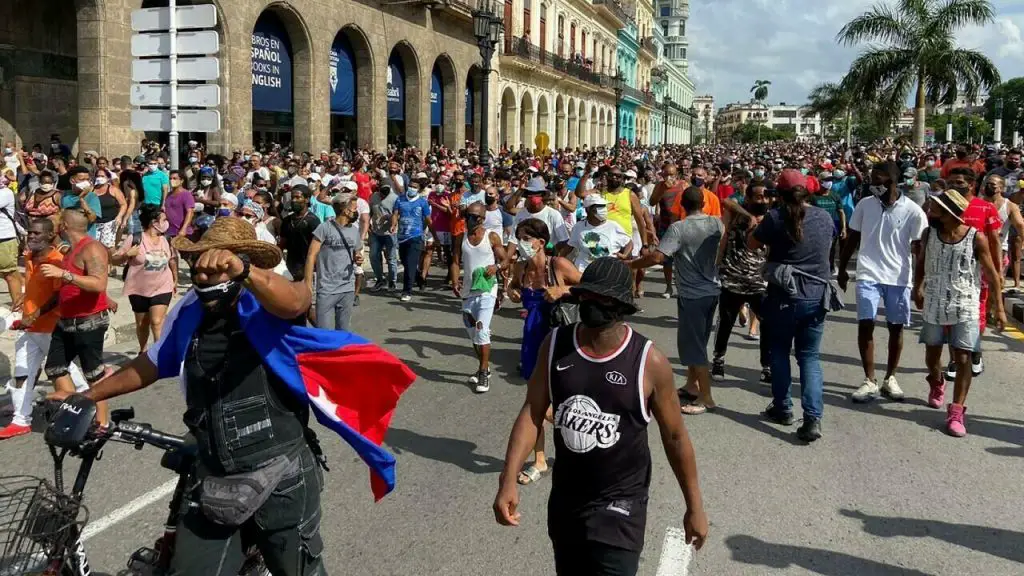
[829, 203]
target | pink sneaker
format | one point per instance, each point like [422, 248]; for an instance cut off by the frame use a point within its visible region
[12, 430]
[937, 393]
[955, 420]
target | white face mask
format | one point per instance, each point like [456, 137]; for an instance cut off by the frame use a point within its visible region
[46, 187]
[601, 213]
[152, 167]
[83, 185]
[101, 181]
[929, 163]
[526, 250]
[206, 182]
[827, 185]
[193, 160]
[8, 151]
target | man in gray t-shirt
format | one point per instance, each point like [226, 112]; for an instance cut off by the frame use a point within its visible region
[693, 244]
[383, 244]
[336, 252]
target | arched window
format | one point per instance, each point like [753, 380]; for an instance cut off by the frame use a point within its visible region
[526, 18]
[572, 39]
[561, 35]
[583, 48]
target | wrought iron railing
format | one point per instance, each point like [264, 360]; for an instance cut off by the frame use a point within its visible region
[522, 48]
[615, 7]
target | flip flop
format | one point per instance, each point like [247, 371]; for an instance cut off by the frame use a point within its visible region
[531, 475]
[694, 409]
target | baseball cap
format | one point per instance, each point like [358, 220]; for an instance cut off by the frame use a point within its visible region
[790, 178]
[910, 172]
[630, 173]
[609, 277]
[349, 185]
[594, 200]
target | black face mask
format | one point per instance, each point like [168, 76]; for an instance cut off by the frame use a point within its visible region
[935, 222]
[757, 209]
[697, 181]
[218, 296]
[596, 315]
[614, 183]
[1012, 165]
[491, 200]
[473, 221]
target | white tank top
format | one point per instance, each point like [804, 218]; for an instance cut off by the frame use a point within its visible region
[474, 260]
[1004, 232]
[493, 222]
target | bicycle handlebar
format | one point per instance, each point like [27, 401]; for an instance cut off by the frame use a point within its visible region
[138, 432]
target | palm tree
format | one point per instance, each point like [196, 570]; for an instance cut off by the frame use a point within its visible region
[760, 89]
[919, 53]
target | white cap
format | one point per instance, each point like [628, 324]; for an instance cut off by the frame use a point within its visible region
[532, 169]
[349, 185]
[581, 164]
[630, 173]
[313, 176]
[594, 199]
[229, 198]
[420, 175]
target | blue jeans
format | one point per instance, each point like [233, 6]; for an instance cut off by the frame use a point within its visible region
[410, 251]
[381, 244]
[796, 325]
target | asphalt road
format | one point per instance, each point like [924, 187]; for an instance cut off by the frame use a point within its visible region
[884, 492]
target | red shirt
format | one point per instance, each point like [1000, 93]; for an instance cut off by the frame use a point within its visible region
[725, 191]
[982, 216]
[73, 301]
[362, 180]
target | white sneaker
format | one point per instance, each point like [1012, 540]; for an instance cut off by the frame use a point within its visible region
[484, 383]
[977, 369]
[868, 391]
[474, 378]
[405, 297]
[892, 389]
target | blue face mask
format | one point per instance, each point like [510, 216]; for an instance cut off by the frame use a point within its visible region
[804, 171]
[224, 212]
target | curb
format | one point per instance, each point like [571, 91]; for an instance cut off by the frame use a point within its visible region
[1013, 303]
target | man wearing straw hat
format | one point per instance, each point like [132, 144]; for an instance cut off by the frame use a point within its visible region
[251, 377]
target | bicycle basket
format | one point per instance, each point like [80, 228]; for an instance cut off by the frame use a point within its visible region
[38, 525]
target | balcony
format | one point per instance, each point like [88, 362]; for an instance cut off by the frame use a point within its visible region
[647, 44]
[613, 9]
[522, 49]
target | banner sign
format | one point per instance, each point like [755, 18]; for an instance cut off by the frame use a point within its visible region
[271, 66]
[395, 90]
[436, 99]
[342, 77]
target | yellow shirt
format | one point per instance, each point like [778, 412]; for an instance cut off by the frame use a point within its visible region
[620, 208]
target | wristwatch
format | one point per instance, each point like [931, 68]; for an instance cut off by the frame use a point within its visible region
[67, 277]
[245, 269]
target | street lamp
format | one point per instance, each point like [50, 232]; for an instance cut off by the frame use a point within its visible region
[486, 28]
[707, 122]
[617, 84]
[668, 102]
[690, 117]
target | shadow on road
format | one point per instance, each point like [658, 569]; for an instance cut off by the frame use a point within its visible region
[461, 453]
[750, 550]
[995, 541]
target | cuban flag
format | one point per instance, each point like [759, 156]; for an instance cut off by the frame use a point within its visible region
[352, 384]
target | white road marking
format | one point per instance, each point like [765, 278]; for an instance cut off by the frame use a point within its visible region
[159, 493]
[675, 554]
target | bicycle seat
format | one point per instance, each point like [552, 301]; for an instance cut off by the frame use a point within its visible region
[180, 460]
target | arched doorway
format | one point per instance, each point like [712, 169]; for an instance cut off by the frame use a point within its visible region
[273, 105]
[593, 126]
[544, 119]
[472, 109]
[510, 119]
[402, 96]
[581, 125]
[351, 62]
[526, 121]
[443, 94]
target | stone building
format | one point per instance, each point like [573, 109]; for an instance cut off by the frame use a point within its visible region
[311, 72]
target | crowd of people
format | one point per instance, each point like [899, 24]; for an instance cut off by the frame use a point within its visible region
[757, 235]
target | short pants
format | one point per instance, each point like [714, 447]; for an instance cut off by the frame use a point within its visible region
[593, 559]
[693, 330]
[142, 304]
[477, 311]
[8, 255]
[896, 300]
[80, 338]
[961, 336]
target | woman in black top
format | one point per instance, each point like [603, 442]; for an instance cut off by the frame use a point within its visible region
[798, 235]
[112, 209]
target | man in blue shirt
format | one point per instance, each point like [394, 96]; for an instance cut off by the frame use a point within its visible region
[155, 184]
[81, 196]
[410, 218]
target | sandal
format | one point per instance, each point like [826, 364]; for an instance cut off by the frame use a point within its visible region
[531, 475]
[694, 408]
[685, 397]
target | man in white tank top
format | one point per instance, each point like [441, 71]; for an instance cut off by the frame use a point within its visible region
[481, 257]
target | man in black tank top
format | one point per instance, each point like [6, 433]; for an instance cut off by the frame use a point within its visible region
[604, 382]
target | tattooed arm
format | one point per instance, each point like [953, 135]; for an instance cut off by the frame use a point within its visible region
[95, 259]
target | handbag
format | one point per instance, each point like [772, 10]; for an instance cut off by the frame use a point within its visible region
[562, 313]
[231, 500]
[781, 275]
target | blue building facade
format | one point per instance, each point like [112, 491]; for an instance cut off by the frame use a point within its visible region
[627, 53]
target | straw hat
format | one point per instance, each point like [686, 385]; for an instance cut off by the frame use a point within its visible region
[236, 235]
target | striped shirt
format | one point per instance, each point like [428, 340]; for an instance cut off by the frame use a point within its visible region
[740, 270]
[952, 280]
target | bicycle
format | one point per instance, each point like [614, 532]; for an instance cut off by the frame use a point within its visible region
[41, 525]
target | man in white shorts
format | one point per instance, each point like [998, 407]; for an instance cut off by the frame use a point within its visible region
[481, 257]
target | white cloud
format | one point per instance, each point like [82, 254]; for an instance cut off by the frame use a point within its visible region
[792, 43]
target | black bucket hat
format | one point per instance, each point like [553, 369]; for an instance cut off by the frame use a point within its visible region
[608, 277]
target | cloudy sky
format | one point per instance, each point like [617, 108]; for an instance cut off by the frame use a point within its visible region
[792, 44]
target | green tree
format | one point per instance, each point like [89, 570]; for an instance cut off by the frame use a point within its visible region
[760, 89]
[918, 53]
[1011, 95]
[753, 132]
[973, 127]
[832, 102]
